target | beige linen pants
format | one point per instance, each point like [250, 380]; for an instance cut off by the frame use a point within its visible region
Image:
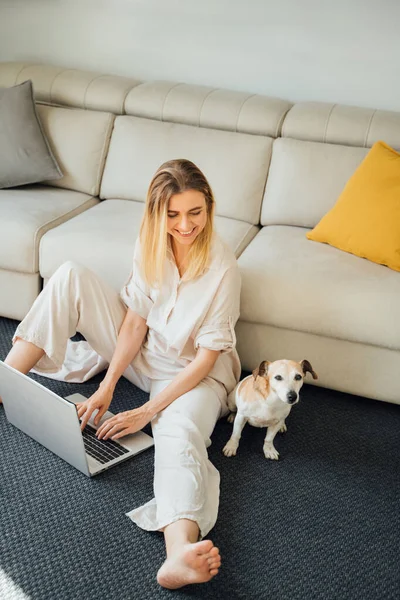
[186, 484]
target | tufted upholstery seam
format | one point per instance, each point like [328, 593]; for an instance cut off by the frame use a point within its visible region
[123, 109]
[369, 128]
[202, 104]
[284, 123]
[165, 99]
[52, 85]
[19, 72]
[88, 86]
[240, 110]
[280, 122]
[327, 122]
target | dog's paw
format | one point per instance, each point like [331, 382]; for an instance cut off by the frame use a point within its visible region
[230, 448]
[283, 429]
[270, 452]
[231, 417]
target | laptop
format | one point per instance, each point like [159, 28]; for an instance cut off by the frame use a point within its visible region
[53, 422]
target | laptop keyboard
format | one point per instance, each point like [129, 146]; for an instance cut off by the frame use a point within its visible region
[101, 450]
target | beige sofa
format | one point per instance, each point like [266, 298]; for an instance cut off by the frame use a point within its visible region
[275, 168]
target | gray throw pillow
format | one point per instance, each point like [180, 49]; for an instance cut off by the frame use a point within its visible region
[25, 155]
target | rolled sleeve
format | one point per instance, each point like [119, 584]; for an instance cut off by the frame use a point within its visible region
[135, 293]
[217, 332]
[219, 336]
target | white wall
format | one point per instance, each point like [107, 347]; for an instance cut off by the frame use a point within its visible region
[344, 51]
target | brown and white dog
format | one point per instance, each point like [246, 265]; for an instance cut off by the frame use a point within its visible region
[265, 399]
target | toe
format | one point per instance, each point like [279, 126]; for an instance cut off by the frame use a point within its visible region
[204, 547]
[214, 559]
[213, 572]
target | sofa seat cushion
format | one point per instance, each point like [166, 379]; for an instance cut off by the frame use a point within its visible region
[103, 240]
[291, 282]
[26, 214]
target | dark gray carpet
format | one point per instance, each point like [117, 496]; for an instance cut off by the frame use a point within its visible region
[321, 523]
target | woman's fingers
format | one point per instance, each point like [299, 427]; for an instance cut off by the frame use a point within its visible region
[122, 433]
[120, 425]
[109, 428]
[99, 415]
[81, 409]
[86, 416]
[105, 430]
[113, 430]
[105, 427]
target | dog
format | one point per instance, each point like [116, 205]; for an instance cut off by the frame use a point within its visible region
[265, 399]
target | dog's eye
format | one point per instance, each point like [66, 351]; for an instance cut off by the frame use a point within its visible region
[298, 376]
[278, 377]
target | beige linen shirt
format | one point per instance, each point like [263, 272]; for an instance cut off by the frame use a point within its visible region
[183, 316]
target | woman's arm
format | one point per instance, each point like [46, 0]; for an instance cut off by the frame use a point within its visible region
[133, 420]
[185, 381]
[130, 338]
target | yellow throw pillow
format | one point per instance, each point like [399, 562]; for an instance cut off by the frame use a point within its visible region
[366, 218]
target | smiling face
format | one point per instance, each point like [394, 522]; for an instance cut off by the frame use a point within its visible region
[286, 378]
[186, 217]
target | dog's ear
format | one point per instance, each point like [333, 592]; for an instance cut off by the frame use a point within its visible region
[307, 368]
[261, 370]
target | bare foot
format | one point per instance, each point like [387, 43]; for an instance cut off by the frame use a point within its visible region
[192, 563]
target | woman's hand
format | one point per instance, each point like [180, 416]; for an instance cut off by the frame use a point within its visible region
[124, 423]
[99, 401]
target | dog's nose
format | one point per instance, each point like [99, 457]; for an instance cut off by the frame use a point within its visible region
[292, 397]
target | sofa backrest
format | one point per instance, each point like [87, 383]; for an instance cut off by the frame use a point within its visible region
[79, 139]
[76, 109]
[315, 146]
[203, 106]
[320, 148]
[305, 180]
[235, 164]
[228, 134]
[70, 87]
[339, 124]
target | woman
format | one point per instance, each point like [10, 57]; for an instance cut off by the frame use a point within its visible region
[171, 333]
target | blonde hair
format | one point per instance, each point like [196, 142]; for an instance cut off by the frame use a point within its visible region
[173, 177]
